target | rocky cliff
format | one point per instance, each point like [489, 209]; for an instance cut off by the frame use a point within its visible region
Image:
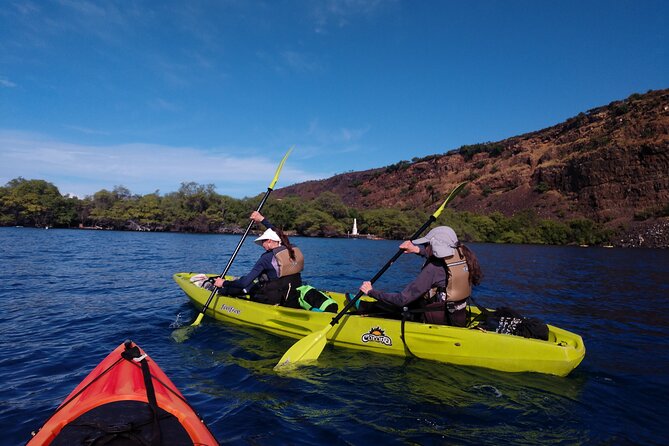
[609, 164]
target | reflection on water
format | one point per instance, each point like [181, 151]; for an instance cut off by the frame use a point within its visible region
[409, 400]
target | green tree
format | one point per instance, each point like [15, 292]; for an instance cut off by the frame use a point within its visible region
[284, 212]
[65, 212]
[315, 222]
[147, 210]
[554, 232]
[584, 231]
[31, 202]
[387, 223]
[199, 208]
[332, 204]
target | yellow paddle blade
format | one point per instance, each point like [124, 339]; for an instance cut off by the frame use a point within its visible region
[306, 349]
[198, 320]
[182, 334]
[448, 199]
[278, 169]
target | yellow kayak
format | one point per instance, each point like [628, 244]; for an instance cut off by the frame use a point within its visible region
[559, 355]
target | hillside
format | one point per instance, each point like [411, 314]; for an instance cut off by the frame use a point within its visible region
[609, 164]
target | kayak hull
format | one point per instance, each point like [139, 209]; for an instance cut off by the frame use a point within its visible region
[114, 395]
[559, 355]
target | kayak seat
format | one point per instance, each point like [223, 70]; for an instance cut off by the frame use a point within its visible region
[349, 298]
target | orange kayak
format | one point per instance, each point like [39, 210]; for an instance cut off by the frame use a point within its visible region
[127, 399]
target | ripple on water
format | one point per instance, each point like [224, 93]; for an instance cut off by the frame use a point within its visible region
[70, 297]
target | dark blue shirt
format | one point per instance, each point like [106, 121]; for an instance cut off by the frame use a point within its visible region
[263, 265]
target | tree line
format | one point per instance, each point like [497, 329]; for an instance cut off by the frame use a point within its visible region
[198, 208]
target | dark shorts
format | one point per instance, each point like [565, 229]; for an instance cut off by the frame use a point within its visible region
[435, 313]
[233, 291]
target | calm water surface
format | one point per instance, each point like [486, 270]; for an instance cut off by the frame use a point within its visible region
[69, 297]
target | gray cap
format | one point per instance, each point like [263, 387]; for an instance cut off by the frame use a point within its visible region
[442, 239]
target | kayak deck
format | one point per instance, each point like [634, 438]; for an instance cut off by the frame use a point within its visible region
[559, 355]
[127, 397]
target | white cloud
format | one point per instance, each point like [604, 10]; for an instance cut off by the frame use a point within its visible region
[162, 104]
[6, 83]
[299, 62]
[290, 62]
[337, 137]
[341, 13]
[82, 170]
[86, 130]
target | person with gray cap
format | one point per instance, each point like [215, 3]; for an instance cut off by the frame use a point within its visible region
[278, 270]
[438, 295]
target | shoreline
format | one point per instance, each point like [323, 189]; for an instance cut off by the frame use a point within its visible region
[657, 239]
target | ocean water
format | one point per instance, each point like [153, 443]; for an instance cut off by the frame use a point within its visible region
[68, 297]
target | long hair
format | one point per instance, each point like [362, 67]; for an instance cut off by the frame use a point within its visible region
[475, 272]
[285, 242]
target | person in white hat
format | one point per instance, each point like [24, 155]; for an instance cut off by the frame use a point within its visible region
[277, 273]
[439, 293]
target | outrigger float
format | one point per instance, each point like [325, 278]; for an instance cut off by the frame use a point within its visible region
[559, 355]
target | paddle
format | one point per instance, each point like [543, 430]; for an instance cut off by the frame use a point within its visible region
[200, 316]
[310, 347]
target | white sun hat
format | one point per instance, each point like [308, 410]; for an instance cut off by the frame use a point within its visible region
[269, 234]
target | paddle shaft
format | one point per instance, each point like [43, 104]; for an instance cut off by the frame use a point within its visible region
[385, 267]
[417, 234]
[236, 251]
[310, 347]
[246, 233]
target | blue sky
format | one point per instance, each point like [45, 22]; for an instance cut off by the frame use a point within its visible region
[150, 94]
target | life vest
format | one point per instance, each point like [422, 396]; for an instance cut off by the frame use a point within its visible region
[458, 286]
[286, 265]
[448, 305]
[283, 290]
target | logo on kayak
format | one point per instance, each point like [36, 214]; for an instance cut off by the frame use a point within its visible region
[230, 309]
[377, 334]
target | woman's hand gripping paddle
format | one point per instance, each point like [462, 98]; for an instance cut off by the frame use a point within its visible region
[310, 347]
[181, 334]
